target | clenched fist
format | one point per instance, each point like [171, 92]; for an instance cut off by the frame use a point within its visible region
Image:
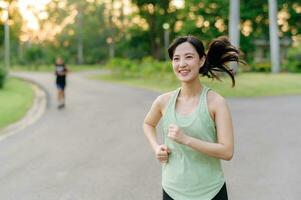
[176, 134]
[162, 153]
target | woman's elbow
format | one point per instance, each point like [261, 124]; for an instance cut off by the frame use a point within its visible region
[147, 125]
[227, 155]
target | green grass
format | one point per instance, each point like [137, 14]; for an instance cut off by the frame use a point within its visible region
[15, 99]
[247, 84]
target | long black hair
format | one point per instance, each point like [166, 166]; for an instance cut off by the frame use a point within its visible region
[220, 52]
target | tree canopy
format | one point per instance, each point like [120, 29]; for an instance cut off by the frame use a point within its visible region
[133, 29]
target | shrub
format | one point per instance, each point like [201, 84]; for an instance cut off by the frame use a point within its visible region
[122, 67]
[261, 67]
[294, 59]
[3, 74]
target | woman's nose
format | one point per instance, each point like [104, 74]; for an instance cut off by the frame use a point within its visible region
[182, 63]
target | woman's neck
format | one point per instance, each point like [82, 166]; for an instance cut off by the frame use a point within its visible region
[191, 89]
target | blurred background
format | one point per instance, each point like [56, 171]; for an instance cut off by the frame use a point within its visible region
[82, 151]
[92, 32]
[129, 39]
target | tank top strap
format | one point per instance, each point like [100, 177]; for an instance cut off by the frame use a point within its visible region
[204, 110]
[175, 96]
[203, 95]
[171, 103]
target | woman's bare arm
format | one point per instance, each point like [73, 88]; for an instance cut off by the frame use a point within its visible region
[149, 126]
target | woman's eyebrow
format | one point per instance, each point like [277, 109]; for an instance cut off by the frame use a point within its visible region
[189, 53]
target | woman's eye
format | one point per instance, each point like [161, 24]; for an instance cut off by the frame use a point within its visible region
[189, 57]
[176, 59]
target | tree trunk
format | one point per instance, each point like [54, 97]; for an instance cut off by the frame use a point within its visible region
[112, 32]
[274, 39]
[234, 27]
[154, 38]
[80, 45]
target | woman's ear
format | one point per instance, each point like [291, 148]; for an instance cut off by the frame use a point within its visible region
[202, 61]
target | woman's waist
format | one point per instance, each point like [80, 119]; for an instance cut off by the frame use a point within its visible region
[187, 156]
[192, 171]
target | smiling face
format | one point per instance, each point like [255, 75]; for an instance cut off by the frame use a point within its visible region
[186, 62]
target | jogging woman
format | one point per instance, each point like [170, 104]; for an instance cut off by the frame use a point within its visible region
[197, 124]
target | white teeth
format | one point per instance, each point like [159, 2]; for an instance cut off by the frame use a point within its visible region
[184, 72]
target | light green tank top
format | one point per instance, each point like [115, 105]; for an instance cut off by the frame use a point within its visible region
[189, 174]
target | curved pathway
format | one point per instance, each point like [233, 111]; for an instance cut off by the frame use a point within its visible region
[95, 148]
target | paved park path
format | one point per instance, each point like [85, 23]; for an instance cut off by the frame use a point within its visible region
[95, 148]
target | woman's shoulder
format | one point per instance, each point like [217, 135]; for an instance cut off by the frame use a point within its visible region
[163, 99]
[215, 100]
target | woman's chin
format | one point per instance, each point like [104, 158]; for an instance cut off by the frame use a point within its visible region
[185, 79]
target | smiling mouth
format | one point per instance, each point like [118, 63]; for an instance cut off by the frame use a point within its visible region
[184, 72]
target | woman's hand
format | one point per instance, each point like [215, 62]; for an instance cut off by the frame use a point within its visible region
[176, 134]
[162, 152]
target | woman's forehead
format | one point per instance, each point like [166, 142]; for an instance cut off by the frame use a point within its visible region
[184, 48]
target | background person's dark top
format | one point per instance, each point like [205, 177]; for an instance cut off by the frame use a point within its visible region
[60, 79]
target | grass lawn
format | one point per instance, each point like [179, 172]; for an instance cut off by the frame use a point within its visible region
[15, 99]
[247, 84]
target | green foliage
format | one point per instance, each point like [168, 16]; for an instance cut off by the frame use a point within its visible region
[156, 13]
[145, 68]
[199, 18]
[294, 59]
[3, 74]
[262, 67]
[152, 67]
[34, 55]
[206, 19]
[136, 46]
[122, 67]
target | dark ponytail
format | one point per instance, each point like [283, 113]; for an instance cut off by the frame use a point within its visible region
[220, 52]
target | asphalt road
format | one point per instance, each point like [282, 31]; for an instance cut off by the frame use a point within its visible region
[95, 149]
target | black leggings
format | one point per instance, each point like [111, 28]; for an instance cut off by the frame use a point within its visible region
[221, 195]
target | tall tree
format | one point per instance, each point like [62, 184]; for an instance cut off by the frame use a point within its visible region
[79, 22]
[234, 22]
[274, 40]
[112, 30]
[156, 13]
[11, 30]
[234, 26]
[206, 19]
